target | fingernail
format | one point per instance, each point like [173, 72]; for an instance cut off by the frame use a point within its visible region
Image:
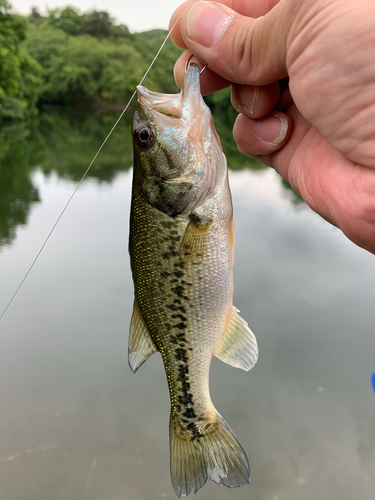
[206, 23]
[272, 129]
[235, 97]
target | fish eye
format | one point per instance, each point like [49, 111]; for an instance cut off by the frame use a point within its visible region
[144, 135]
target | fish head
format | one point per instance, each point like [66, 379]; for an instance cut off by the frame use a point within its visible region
[177, 151]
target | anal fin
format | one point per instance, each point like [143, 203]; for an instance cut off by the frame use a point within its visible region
[141, 345]
[238, 347]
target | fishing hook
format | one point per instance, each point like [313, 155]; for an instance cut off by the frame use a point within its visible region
[187, 64]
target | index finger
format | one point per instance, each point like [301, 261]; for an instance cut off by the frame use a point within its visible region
[255, 8]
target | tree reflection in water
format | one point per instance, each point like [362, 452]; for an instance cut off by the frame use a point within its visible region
[17, 191]
[64, 140]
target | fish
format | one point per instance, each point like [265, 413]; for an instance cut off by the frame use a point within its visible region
[181, 249]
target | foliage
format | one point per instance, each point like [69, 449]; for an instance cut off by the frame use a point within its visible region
[20, 74]
[69, 57]
[85, 69]
[44, 44]
[87, 58]
[98, 24]
[83, 58]
[161, 77]
[67, 19]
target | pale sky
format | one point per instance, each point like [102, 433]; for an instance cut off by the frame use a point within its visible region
[138, 15]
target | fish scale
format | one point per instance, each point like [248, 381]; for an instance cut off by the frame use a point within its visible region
[182, 251]
[173, 298]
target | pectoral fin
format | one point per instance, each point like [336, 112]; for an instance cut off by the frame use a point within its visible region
[141, 345]
[238, 347]
[195, 240]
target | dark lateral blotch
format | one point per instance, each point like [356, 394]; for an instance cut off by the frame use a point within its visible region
[189, 413]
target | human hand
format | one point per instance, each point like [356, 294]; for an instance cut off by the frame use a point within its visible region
[318, 132]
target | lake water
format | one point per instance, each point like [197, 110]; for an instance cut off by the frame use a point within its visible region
[76, 424]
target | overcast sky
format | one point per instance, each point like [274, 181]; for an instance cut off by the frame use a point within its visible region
[138, 15]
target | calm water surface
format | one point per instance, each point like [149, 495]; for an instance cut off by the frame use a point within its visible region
[75, 423]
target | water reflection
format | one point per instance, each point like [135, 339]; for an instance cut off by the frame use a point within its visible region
[59, 140]
[75, 423]
[70, 138]
[17, 191]
[64, 141]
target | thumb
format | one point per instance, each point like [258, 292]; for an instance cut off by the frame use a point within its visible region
[240, 49]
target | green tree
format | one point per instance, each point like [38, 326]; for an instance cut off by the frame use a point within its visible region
[161, 76]
[67, 19]
[36, 17]
[85, 69]
[89, 58]
[20, 75]
[43, 44]
[97, 23]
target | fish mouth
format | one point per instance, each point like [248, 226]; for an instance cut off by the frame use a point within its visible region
[188, 101]
[150, 95]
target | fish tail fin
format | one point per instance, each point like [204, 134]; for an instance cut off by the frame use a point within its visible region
[211, 452]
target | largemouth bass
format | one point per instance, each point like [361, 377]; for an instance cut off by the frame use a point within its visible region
[182, 251]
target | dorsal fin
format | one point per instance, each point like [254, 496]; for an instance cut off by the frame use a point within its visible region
[238, 347]
[141, 345]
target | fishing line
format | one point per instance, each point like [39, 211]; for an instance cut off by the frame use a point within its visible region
[86, 172]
